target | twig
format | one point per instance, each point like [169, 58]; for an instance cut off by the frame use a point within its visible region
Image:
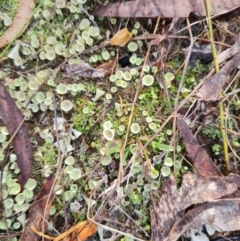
[221, 107]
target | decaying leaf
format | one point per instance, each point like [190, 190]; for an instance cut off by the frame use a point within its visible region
[39, 210]
[224, 214]
[195, 189]
[164, 9]
[120, 38]
[199, 158]
[12, 118]
[25, 10]
[85, 70]
[213, 85]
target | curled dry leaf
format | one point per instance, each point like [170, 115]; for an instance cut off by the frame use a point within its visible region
[120, 38]
[199, 158]
[164, 9]
[195, 189]
[25, 10]
[39, 211]
[224, 214]
[213, 85]
[12, 119]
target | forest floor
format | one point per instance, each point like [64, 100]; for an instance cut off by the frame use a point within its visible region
[102, 117]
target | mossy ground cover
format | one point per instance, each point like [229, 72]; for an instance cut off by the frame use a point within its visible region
[85, 150]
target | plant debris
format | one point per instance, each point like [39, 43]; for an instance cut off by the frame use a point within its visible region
[163, 9]
[20, 21]
[39, 211]
[212, 86]
[13, 119]
[168, 213]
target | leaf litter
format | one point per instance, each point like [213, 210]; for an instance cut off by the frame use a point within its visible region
[169, 219]
[164, 9]
[167, 216]
[13, 120]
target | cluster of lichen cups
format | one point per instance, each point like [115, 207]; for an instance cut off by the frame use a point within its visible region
[14, 199]
[33, 93]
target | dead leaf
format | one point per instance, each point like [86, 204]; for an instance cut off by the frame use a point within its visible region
[199, 158]
[212, 86]
[12, 118]
[120, 38]
[85, 70]
[39, 211]
[195, 189]
[224, 214]
[164, 9]
[25, 10]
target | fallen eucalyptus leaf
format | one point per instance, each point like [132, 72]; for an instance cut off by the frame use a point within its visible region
[199, 158]
[12, 119]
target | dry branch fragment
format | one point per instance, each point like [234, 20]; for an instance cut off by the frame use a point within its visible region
[164, 9]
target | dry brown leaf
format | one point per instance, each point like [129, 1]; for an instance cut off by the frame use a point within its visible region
[12, 119]
[223, 214]
[212, 86]
[120, 38]
[25, 10]
[164, 9]
[195, 189]
[199, 158]
[39, 210]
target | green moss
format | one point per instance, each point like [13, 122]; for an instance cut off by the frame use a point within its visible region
[49, 153]
[212, 132]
